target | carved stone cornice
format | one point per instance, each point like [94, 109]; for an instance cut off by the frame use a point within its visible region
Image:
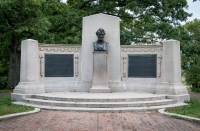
[59, 48]
[141, 49]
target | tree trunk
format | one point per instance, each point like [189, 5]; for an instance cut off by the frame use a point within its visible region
[14, 63]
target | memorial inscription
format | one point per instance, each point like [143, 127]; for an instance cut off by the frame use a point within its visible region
[59, 65]
[142, 66]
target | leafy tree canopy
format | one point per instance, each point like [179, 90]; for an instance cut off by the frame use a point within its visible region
[156, 18]
[189, 37]
[23, 19]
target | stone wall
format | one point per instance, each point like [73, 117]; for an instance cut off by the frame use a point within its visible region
[56, 84]
[72, 84]
[140, 84]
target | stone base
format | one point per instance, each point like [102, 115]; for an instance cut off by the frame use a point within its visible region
[18, 97]
[29, 88]
[84, 86]
[60, 86]
[100, 90]
[171, 89]
[179, 98]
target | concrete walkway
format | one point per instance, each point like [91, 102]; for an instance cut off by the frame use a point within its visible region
[84, 121]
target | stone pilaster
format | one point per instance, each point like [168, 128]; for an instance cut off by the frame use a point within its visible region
[29, 69]
[171, 83]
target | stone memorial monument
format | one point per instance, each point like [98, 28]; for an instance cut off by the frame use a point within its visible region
[101, 66]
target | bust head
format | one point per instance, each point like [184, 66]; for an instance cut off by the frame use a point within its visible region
[100, 44]
[100, 34]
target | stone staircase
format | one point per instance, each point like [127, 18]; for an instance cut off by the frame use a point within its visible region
[99, 102]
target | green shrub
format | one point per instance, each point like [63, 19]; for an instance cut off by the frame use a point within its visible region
[3, 73]
[193, 77]
[3, 82]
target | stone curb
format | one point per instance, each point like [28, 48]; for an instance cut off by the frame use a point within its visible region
[19, 114]
[193, 119]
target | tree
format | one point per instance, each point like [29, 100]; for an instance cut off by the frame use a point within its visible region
[4, 57]
[22, 19]
[193, 76]
[189, 37]
[191, 54]
[138, 17]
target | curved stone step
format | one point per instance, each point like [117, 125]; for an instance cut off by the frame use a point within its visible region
[122, 109]
[99, 104]
[100, 98]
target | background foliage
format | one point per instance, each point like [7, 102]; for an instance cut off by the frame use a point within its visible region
[191, 54]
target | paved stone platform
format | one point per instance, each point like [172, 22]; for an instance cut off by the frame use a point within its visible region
[114, 95]
[84, 121]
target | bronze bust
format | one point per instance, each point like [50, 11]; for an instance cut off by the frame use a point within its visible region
[100, 44]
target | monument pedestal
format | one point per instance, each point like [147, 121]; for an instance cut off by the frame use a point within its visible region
[100, 73]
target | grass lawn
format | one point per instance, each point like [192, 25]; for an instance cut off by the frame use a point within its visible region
[192, 109]
[5, 91]
[6, 106]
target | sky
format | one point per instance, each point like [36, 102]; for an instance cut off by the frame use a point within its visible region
[194, 7]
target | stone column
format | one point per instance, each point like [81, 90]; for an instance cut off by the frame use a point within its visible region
[171, 83]
[29, 69]
[100, 73]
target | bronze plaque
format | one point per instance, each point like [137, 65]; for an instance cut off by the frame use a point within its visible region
[142, 66]
[59, 65]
